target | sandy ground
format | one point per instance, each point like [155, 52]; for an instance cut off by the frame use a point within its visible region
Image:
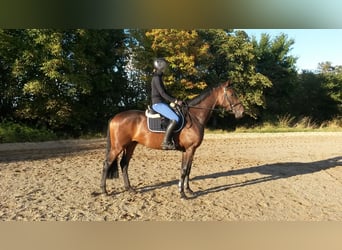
[236, 177]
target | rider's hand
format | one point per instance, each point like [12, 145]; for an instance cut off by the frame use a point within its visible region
[176, 102]
[179, 103]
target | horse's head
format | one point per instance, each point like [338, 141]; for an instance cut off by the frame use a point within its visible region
[229, 100]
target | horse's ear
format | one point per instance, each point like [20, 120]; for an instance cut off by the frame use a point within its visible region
[227, 83]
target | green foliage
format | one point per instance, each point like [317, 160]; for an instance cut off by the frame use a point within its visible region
[72, 81]
[274, 62]
[14, 132]
[64, 79]
[11, 42]
[288, 123]
[200, 58]
[185, 52]
[318, 96]
[233, 58]
[332, 86]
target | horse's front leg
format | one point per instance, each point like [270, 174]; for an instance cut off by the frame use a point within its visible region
[187, 158]
[127, 155]
[187, 186]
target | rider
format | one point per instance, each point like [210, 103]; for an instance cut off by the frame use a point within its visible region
[159, 99]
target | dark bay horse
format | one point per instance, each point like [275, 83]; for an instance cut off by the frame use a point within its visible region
[128, 128]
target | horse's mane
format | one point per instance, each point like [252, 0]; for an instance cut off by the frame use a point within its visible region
[200, 97]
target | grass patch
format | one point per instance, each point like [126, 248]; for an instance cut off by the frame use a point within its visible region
[14, 132]
[288, 123]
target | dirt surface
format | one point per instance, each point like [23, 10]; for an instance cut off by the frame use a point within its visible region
[245, 177]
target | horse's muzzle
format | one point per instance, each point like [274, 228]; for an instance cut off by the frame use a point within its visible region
[238, 115]
[239, 112]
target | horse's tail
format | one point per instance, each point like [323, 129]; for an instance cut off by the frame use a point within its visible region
[113, 166]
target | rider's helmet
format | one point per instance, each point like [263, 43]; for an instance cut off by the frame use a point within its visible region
[160, 64]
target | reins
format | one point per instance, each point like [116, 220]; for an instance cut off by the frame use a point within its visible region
[185, 107]
[195, 107]
[232, 106]
[213, 109]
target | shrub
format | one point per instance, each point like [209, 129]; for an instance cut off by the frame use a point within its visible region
[306, 123]
[285, 121]
[14, 132]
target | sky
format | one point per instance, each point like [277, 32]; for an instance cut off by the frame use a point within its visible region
[311, 46]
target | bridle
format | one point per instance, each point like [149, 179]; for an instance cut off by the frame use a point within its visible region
[225, 95]
[232, 106]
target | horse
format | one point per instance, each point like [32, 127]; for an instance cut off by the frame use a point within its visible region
[128, 128]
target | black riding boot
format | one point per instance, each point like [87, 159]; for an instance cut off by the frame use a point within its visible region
[167, 143]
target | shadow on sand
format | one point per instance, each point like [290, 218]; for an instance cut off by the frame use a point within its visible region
[271, 171]
[15, 152]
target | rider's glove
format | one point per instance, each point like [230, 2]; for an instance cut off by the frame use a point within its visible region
[176, 102]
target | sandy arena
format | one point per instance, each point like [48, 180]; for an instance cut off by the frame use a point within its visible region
[236, 177]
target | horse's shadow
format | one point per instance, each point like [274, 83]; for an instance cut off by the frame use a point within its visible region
[270, 172]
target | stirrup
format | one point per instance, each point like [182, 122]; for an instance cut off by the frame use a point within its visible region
[168, 146]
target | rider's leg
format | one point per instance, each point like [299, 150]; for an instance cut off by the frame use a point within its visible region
[166, 111]
[167, 142]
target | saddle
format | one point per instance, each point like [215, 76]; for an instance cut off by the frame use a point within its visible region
[158, 123]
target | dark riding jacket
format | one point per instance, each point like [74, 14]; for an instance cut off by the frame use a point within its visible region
[158, 93]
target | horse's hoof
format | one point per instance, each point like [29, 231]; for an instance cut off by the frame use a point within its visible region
[191, 193]
[95, 194]
[104, 191]
[183, 196]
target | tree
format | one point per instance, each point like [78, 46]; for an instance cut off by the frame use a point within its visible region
[140, 65]
[232, 57]
[185, 52]
[325, 67]
[97, 67]
[274, 61]
[201, 58]
[318, 95]
[70, 80]
[12, 42]
[332, 86]
[74, 80]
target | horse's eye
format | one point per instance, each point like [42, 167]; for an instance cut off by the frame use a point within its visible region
[230, 93]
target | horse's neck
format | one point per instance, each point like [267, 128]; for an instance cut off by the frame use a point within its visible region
[203, 110]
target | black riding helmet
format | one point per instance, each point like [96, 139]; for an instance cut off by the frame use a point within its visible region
[160, 64]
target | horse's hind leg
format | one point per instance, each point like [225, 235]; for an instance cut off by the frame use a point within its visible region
[110, 168]
[127, 155]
